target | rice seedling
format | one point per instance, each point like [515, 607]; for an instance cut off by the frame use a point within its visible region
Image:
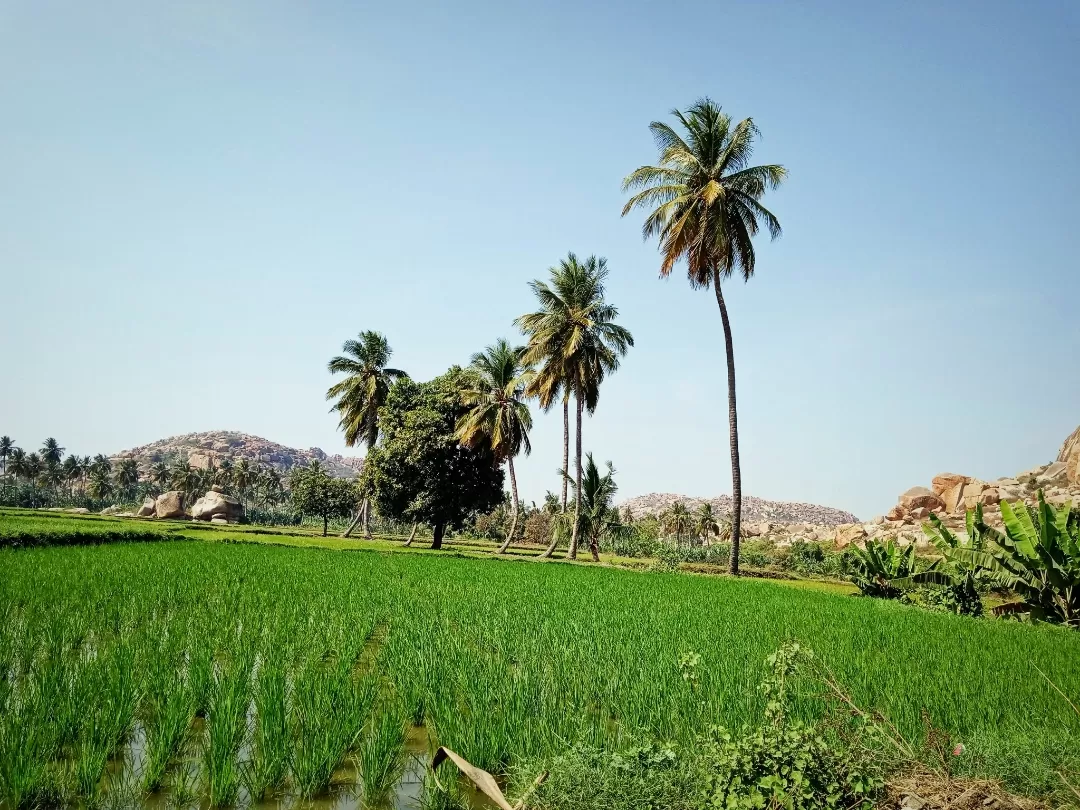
[329, 712]
[271, 745]
[226, 726]
[380, 757]
[506, 664]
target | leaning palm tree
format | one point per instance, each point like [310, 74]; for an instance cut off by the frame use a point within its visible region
[593, 495]
[704, 204]
[51, 452]
[6, 446]
[360, 395]
[575, 343]
[498, 414]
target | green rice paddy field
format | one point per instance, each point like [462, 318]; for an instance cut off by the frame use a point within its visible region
[232, 670]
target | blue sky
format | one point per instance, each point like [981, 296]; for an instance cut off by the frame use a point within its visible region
[201, 201]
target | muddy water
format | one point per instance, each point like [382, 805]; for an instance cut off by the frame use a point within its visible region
[344, 793]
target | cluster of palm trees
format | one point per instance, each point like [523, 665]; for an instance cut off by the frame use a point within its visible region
[100, 478]
[702, 200]
[702, 524]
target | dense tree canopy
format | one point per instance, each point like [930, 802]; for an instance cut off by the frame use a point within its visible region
[318, 494]
[419, 471]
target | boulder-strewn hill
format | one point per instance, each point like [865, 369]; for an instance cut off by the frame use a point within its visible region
[200, 449]
[754, 509]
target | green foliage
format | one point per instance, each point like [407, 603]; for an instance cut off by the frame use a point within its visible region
[420, 471]
[953, 583]
[788, 763]
[313, 492]
[1038, 557]
[875, 568]
[367, 383]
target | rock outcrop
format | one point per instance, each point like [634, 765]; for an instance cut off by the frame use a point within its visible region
[201, 450]
[214, 505]
[754, 509]
[170, 505]
[1070, 457]
[148, 508]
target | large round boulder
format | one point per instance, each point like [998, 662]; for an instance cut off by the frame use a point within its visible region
[170, 505]
[921, 497]
[216, 504]
[148, 508]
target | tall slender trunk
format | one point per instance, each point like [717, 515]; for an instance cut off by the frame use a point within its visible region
[513, 509]
[412, 535]
[355, 520]
[577, 491]
[733, 429]
[438, 529]
[565, 446]
[367, 518]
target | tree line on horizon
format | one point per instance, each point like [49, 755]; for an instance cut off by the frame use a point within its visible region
[703, 204]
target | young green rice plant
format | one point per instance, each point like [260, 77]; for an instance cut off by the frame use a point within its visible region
[269, 763]
[171, 715]
[226, 724]
[25, 746]
[380, 757]
[330, 708]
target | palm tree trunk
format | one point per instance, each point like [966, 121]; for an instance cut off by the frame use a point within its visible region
[577, 499]
[733, 429]
[367, 518]
[412, 535]
[565, 446]
[438, 529]
[359, 515]
[551, 546]
[513, 508]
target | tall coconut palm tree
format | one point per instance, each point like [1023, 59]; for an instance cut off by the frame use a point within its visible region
[6, 446]
[243, 476]
[498, 414]
[159, 475]
[704, 205]
[360, 395]
[51, 452]
[17, 460]
[575, 343]
[101, 464]
[33, 466]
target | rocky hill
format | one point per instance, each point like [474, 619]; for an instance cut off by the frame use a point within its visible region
[202, 449]
[754, 509]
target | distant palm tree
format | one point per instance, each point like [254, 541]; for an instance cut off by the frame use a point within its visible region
[677, 519]
[6, 446]
[704, 204]
[225, 473]
[159, 475]
[51, 452]
[360, 395]
[243, 476]
[73, 471]
[101, 465]
[574, 343]
[127, 476]
[498, 414]
[705, 523]
[33, 466]
[101, 484]
[593, 498]
[17, 460]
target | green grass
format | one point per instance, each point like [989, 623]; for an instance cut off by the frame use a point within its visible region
[504, 662]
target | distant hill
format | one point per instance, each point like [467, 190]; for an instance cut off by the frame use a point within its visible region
[754, 509]
[202, 449]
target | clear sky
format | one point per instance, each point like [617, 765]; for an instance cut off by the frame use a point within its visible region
[200, 201]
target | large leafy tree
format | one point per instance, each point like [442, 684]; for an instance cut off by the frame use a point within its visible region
[6, 446]
[704, 205]
[51, 452]
[498, 414]
[317, 494]
[420, 471]
[575, 343]
[358, 397]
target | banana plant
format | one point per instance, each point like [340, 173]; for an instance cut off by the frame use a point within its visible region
[955, 574]
[875, 568]
[1038, 559]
